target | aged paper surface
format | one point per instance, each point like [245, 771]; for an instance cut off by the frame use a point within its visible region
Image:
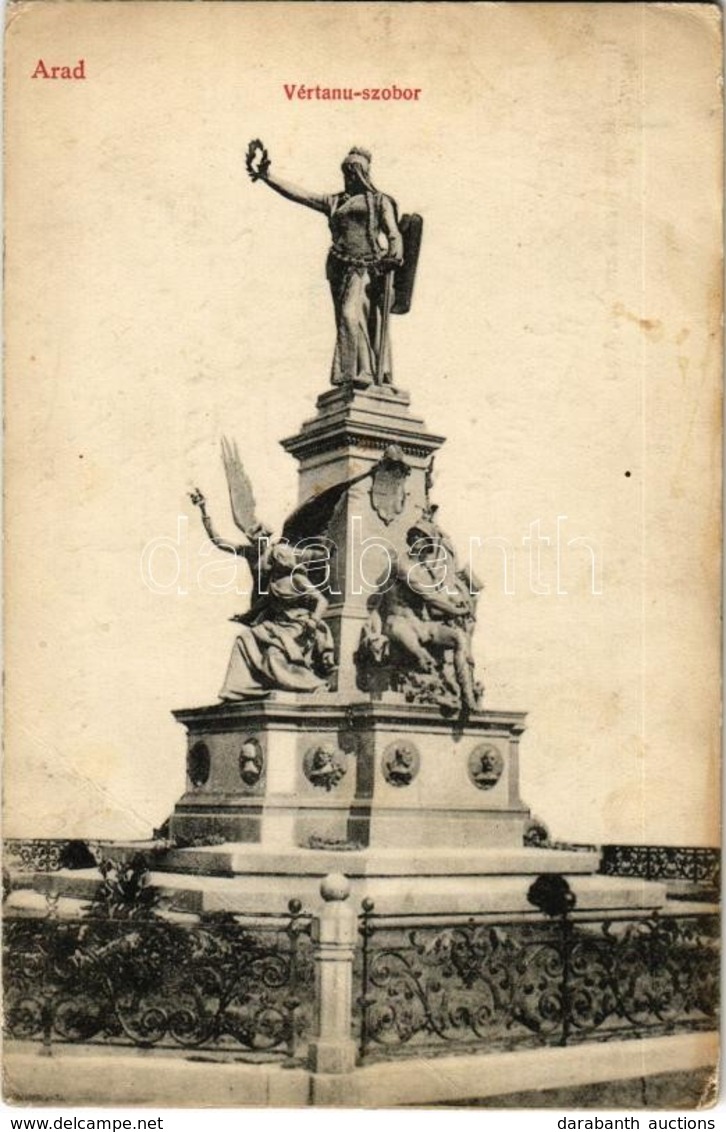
[564, 336]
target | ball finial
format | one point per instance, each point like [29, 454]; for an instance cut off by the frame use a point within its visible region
[335, 886]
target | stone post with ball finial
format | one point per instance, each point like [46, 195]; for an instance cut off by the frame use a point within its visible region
[334, 935]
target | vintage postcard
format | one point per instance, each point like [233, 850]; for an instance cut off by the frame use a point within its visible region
[362, 504]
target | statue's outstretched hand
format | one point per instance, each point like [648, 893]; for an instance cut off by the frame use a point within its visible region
[257, 161]
[197, 498]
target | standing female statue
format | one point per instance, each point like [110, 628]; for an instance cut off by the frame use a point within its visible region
[367, 248]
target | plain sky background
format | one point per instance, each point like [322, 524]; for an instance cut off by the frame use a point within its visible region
[565, 330]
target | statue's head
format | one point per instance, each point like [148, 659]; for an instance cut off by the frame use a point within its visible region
[323, 756]
[422, 539]
[283, 556]
[356, 168]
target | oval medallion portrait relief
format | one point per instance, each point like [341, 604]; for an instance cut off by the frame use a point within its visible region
[251, 762]
[198, 764]
[486, 764]
[400, 763]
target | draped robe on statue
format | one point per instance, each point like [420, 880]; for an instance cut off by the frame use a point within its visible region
[280, 644]
[365, 231]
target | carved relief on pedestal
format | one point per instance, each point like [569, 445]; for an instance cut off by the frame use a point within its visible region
[251, 761]
[324, 765]
[198, 764]
[485, 767]
[400, 763]
[388, 484]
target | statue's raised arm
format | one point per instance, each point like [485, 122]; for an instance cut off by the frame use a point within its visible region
[242, 501]
[370, 253]
[258, 167]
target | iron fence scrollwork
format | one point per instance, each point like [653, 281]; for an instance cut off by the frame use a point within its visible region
[221, 982]
[700, 866]
[554, 979]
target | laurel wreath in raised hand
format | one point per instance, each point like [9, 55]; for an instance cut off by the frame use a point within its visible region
[257, 160]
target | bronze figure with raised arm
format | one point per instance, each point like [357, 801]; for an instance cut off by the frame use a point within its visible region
[283, 640]
[367, 247]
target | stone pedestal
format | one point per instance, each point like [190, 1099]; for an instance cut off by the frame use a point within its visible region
[420, 814]
[350, 433]
[338, 451]
[324, 774]
[420, 810]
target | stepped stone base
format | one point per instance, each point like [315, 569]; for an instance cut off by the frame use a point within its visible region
[421, 814]
[105, 1076]
[235, 878]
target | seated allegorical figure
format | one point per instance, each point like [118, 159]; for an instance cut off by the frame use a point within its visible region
[283, 642]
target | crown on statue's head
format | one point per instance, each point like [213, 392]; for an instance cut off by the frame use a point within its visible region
[358, 156]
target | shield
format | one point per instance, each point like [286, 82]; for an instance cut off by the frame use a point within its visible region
[404, 276]
[388, 489]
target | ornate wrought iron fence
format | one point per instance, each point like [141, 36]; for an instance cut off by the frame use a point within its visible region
[221, 982]
[664, 862]
[457, 981]
[47, 855]
[129, 969]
